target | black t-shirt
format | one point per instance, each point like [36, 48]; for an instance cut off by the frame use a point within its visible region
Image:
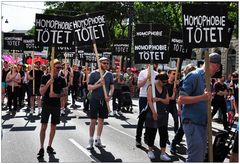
[170, 92]
[38, 76]
[219, 87]
[22, 75]
[4, 74]
[58, 84]
[76, 76]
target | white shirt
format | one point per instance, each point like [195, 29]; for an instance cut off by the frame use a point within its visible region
[143, 75]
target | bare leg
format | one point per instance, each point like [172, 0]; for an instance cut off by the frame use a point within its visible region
[100, 126]
[42, 134]
[52, 134]
[92, 127]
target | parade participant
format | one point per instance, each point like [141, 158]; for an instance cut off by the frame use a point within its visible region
[158, 120]
[25, 84]
[85, 81]
[38, 75]
[75, 83]
[66, 75]
[21, 90]
[51, 105]
[194, 97]
[219, 100]
[172, 98]
[98, 107]
[143, 78]
[118, 82]
[235, 85]
[179, 134]
[13, 79]
[5, 71]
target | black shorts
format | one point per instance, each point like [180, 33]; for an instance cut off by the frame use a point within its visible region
[37, 92]
[98, 109]
[48, 110]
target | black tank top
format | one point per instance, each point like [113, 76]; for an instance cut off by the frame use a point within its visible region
[4, 74]
[162, 110]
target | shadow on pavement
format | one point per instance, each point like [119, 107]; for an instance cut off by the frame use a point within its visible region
[105, 156]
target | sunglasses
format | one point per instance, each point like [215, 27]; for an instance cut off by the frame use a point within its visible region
[58, 67]
[105, 63]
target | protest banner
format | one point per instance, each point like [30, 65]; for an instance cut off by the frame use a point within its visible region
[204, 26]
[52, 30]
[28, 44]
[13, 41]
[88, 27]
[157, 52]
[177, 48]
[121, 47]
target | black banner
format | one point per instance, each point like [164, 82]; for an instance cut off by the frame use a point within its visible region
[176, 47]
[53, 30]
[13, 41]
[65, 49]
[90, 57]
[28, 44]
[157, 50]
[230, 31]
[205, 25]
[121, 47]
[88, 25]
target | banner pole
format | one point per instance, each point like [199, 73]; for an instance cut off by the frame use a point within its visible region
[101, 74]
[33, 72]
[14, 78]
[152, 74]
[207, 81]
[177, 70]
[52, 67]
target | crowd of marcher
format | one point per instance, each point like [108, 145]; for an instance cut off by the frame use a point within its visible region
[23, 84]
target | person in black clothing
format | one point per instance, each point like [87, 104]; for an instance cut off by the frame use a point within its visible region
[5, 71]
[51, 105]
[85, 80]
[219, 101]
[118, 82]
[157, 119]
[172, 97]
[75, 83]
[38, 75]
[235, 84]
[65, 73]
[21, 89]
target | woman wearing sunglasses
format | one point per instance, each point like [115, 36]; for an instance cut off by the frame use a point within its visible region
[158, 120]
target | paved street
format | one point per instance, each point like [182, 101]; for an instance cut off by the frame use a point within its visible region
[20, 142]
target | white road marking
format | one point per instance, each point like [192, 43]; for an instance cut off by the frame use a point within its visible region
[120, 131]
[83, 150]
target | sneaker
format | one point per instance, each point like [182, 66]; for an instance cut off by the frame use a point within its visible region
[151, 155]
[62, 112]
[138, 144]
[50, 150]
[173, 148]
[90, 144]
[98, 143]
[114, 112]
[41, 152]
[168, 142]
[39, 111]
[164, 157]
